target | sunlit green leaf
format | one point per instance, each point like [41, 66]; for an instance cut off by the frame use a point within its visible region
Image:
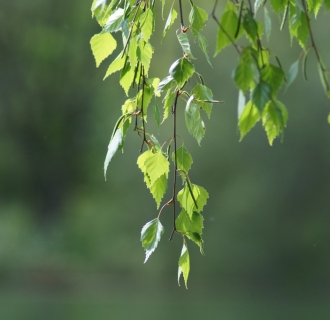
[228, 28]
[279, 5]
[181, 70]
[170, 20]
[184, 265]
[144, 54]
[147, 21]
[158, 188]
[126, 78]
[197, 19]
[314, 6]
[132, 52]
[115, 144]
[183, 158]
[168, 103]
[116, 65]
[274, 118]
[115, 21]
[150, 236]
[248, 119]
[187, 202]
[102, 45]
[156, 165]
[274, 76]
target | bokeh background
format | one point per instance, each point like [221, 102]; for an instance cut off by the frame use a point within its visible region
[69, 241]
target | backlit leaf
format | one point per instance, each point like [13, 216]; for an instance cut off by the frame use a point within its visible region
[144, 54]
[102, 45]
[261, 95]
[197, 19]
[183, 158]
[184, 265]
[147, 21]
[115, 144]
[158, 188]
[170, 20]
[116, 65]
[156, 165]
[168, 103]
[150, 236]
[126, 77]
[187, 202]
[248, 119]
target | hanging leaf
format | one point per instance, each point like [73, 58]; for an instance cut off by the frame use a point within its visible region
[115, 144]
[156, 114]
[261, 95]
[147, 23]
[158, 188]
[181, 70]
[185, 45]
[293, 72]
[268, 23]
[274, 76]
[168, 103]
[203, 44]
[183, 158]
[150, 236]
[116, 65]
[197, 18]
[165, 84]
[115, 21]
[102, 45]
[188, 203]
[126, 78]
[203, 97]
[241, 103]
[184, 265]
[248, 119]
[156, 165]
[170, 20]
[257, 4]
[144, 54]
[192, 227]
[194, 122]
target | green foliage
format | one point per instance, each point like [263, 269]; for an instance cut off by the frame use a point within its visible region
[258, 75]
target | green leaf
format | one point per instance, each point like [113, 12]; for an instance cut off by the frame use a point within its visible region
[126, 78]
[147, 23]
[251, 28]
[158, 189]
[132, 52]
[115, 21]
[241, 103]
[194, 122]
[314, 5]
[274, 118]
[229, 23]
[197, 18]
[192, 227]
[156, 115]
[184, 42]
[165, 84]
[116, 65]
[261, 95]
[102, 45]
[298, 25]
[184, 265]
[279, 5]
[144, 54]
[183, 158]
[170, 20]
[150, 236]
[274, 76]
[293, 72]
[101, 11]
[168, 103]
[147, 95]
[327, 4]
[203, 44]
[268, 23]
[246, 73]
[203, 97]
[181, 70]
[156, 165]
[187, 202]
[115, 144]
[248, 119]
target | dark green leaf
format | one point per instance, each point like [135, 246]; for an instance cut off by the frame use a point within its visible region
[150, 236]
[274, 76]
[183, 158]
[251, 28]
[261, 95]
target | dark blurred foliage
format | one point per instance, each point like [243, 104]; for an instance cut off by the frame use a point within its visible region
[69, 242]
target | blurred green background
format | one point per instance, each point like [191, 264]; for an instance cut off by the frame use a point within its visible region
[69, 241]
